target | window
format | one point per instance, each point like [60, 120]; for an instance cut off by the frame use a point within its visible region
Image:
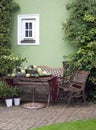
[28, 29]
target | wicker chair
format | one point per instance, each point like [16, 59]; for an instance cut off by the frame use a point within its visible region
[75, 88]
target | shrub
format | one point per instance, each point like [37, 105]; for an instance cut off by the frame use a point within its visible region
[5, 90]
[9, 61]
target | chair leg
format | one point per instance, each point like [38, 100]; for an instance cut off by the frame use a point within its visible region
[84, 98]
[70, 97]
[60, 94]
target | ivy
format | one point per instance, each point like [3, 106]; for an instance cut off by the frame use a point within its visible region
[7, 8]
[80, 30]
[8, 60]
[82, 18]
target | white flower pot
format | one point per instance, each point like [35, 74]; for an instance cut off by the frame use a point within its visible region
[16, 101]
[9, 102]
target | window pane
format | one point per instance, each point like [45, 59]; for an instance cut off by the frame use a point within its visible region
[30, 25]
[26, 33]
[30, 33]
[26, 25]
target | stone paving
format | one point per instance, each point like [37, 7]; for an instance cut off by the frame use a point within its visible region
[18, 118]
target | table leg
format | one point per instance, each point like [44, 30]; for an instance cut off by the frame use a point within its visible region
[34, 105]
[33, 96]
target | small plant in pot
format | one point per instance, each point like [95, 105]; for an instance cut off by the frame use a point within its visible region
[8, 97]
[17, 92]
[6, 94]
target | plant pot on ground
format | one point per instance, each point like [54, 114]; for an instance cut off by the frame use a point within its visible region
[9, 102]
[17, 92]
[6, 93]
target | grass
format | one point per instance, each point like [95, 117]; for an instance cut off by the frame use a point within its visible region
[75, 125]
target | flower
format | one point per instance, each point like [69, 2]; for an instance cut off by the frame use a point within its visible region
[9, 62]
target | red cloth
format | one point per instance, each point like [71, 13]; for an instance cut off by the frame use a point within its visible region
[53, 83]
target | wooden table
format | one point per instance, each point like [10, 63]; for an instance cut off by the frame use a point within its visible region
[33, 82]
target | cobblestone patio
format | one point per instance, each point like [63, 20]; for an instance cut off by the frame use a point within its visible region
[18, 118]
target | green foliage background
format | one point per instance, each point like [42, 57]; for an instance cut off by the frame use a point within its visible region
[7, 8]
[8, 60]
[80, 30]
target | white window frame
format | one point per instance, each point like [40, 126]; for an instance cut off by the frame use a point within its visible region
[28, 18]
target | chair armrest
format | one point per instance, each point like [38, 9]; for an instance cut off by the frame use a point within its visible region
[76, 86]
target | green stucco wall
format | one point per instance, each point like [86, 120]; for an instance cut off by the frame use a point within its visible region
[52, 46]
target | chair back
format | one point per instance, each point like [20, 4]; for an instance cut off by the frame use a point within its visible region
[80, 77]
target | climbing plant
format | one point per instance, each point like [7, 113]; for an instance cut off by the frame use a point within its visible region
[7, 9]
[8, 60]
[80, 30]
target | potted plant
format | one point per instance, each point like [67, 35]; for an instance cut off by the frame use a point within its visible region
[17, 92]
[8, 97]
[6, 94]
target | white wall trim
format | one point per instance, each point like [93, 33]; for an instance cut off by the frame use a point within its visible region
[20, 32]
